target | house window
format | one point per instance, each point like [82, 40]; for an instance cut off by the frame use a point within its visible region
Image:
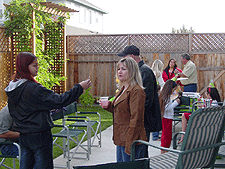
[96, 17]
[90, 17]
[85, 15]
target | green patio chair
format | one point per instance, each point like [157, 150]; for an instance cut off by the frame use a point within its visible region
[185, 103]
[92, 126]
[69, 134]
[97, 131]
[201, 142]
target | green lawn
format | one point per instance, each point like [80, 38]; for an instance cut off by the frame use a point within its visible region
[106, 121]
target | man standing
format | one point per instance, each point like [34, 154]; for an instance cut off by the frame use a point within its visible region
[190, 72]
[152, 115]
[6, 133]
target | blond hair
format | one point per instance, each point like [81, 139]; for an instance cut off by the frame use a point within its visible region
[157, 67]
[134, 75]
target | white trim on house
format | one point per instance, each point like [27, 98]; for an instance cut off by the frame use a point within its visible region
[90, 5]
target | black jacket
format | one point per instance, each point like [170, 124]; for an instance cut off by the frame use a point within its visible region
[152, 119]
[30, 104]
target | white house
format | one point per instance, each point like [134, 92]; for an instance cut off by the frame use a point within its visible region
[2, 8]
[89, 19]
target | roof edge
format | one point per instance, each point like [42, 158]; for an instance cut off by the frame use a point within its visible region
[90, 5]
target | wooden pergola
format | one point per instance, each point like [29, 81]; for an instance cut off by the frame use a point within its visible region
[51, 8]
[55, 10]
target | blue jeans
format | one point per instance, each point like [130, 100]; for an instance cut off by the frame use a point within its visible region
[155, 135]
[124, 157]
[190, 88]
[36, 150]
[9, 150]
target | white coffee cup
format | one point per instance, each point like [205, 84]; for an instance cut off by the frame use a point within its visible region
[104, 100]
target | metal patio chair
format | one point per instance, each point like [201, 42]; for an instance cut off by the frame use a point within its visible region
[79, 123]
[201, 142]
[183, 107]
[4, 157]
[97, 131]
[70, 134]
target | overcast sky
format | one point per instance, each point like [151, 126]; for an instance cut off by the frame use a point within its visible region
[160, 16]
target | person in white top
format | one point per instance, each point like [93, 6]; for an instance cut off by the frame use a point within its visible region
[157, 68]
[167, 112]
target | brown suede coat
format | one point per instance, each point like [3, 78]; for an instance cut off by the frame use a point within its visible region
[128, 117]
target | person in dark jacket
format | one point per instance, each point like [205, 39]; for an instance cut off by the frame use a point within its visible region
[29, 105]
[152, 114]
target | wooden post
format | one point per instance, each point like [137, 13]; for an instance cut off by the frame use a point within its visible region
[190, 43]
[33, 34]
[64, 56]
[128, 39]
[11, 58]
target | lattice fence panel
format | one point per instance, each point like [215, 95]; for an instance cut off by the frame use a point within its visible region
[148, 43]
[58, 63]
[96, 44]
[112, 44]
[161, 43]
[5, 66]
[208, 43]
[15, 39]
[4, 41]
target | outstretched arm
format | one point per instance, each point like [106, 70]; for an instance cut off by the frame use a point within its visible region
[10, 135]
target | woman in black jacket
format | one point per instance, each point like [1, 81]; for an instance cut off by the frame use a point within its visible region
[29, 105]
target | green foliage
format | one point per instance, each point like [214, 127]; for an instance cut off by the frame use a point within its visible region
[183, 30]
[45, 77]
[86, 99]
[19, 25]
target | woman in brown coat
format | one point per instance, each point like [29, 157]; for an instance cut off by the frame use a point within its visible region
[128, 110]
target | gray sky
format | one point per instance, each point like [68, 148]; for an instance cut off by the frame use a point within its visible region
[160, 16]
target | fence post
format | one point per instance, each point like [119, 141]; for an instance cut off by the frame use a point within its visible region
[190, 43]
[128, 39]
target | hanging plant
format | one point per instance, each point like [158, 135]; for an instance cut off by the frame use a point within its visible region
[19, 24]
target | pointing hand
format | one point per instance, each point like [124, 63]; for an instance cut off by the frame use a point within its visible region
[86, 83]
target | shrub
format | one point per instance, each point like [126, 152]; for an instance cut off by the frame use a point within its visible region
[86, 99]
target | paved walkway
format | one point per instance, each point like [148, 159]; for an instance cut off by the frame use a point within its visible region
[107, 153]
